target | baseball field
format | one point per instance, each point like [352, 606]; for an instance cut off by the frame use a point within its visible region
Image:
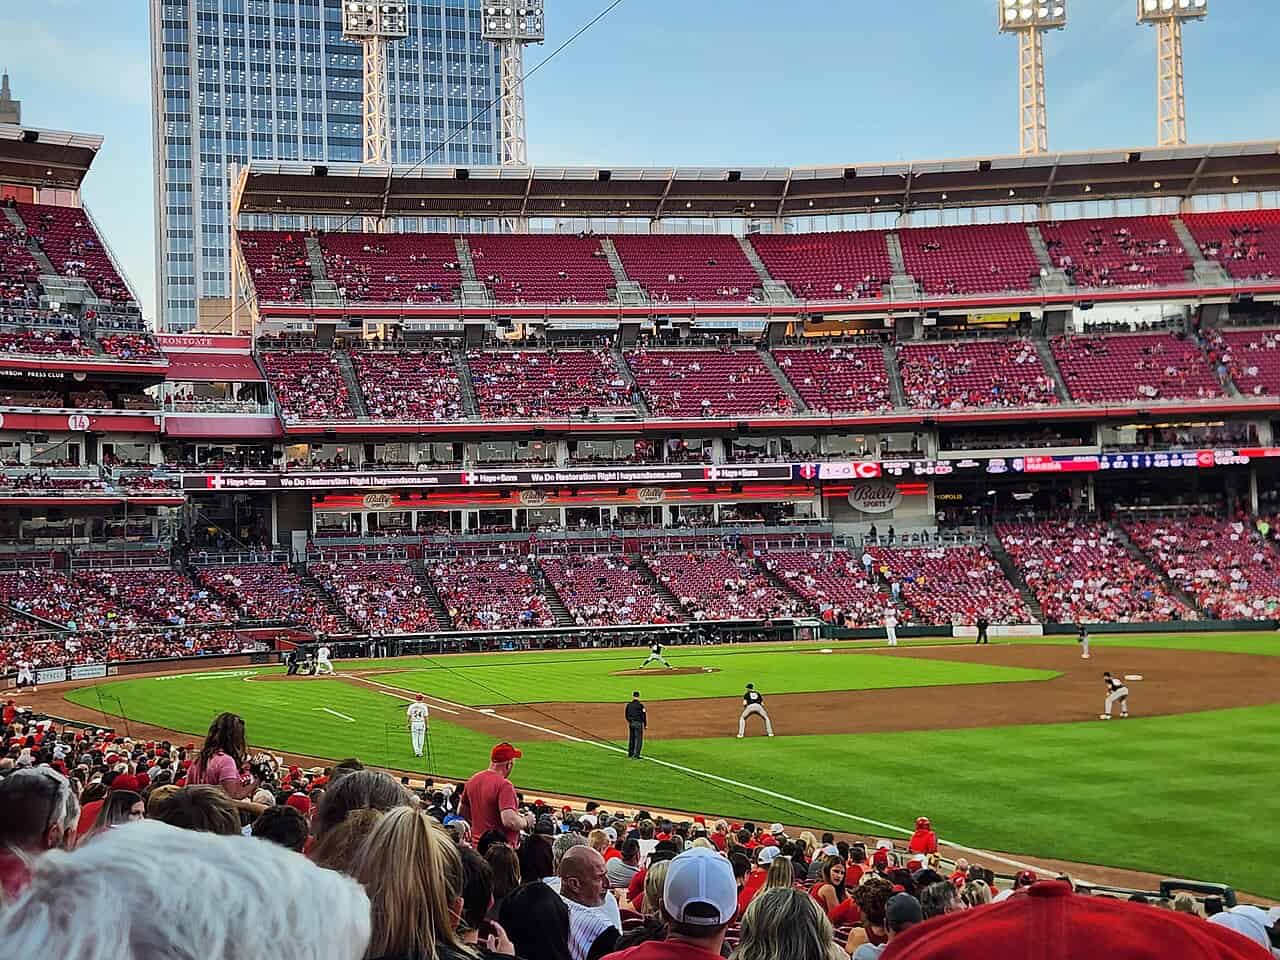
[1001, 745]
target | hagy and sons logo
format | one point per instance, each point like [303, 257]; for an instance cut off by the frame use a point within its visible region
[875, 497]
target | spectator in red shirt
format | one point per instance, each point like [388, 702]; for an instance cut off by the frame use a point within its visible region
[699, 898]
[924, 840]
[489, 800]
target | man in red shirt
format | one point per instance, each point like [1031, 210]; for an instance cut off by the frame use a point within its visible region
[489, 800]
[699, 898]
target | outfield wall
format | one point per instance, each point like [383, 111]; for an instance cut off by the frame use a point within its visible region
[1176, 626]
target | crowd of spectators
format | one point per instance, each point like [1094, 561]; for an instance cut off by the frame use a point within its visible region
[378, 597]
[556, 382]
[1131, 252]
[723, 586]
[1080, 572]
[166, 596]
[604, 591]
[59, 344]
[308, 385]
[1134, 367]
[1251, 358]
[130, 346]
[706, 383]
[409, 386]
[69, 240]
[1226, 565]
[490, 594]
[838, 379]
[348, 863]
[266, 591]
[18, 269]
[278, 263]
[974, 373]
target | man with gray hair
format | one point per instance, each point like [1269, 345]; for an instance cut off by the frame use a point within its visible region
[38, 812]
[148, 890]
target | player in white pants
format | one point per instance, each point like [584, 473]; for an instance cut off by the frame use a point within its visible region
[418, 715]
[27, 675]
[655, 656]
[322, 661]
[1082, 638]
[1117, 692]
[891, 626]
[753, 705]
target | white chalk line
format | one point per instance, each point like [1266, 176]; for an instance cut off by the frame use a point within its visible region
[398, 693]
[337, 714]
[984, 854]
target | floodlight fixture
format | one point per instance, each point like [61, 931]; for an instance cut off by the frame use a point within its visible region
[512, 26]
[375, 25]
[1168, 16]
[1029, 19]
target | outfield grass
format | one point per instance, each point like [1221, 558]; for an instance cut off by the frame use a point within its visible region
[1189, 795]
[587, 677]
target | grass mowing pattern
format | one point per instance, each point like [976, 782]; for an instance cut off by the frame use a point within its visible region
[586, 679]
[1184, 795]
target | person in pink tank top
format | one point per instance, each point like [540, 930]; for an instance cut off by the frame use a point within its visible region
[222, 759]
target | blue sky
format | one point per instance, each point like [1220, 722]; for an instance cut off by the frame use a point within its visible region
[716, 81]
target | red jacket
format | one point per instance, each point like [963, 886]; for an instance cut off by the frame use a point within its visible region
[923, 841]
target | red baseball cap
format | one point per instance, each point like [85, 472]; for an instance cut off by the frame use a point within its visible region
[300, 802]
[503, 753]
[126, 781]
[1052, 923]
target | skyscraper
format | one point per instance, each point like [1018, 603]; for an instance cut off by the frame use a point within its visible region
[10, 109]
[235, 80]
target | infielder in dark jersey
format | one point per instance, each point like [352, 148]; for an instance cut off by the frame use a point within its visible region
[753, 705]
[1117, 692]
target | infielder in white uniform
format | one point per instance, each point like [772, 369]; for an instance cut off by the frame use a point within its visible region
[655, 654]
[322, 661]
[27, 675]
[1117, 692]
[753, 705]
[418, 714]
[1082, 638]
[891, 625]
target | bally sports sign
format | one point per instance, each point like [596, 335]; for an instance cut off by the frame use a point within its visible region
[875, 496]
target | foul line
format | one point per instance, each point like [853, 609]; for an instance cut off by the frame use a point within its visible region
[337, 714]
[974, 851]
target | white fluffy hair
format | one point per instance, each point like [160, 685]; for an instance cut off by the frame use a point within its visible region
[148, 890]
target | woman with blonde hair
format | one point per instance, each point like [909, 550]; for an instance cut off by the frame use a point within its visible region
[413, 875]
[785, 924]
[598, 841]
[781, 875]
[654, 927]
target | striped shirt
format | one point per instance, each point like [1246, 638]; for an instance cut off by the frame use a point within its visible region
[587, 923]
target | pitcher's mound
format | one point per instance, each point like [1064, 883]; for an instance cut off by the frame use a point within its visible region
[668, 672]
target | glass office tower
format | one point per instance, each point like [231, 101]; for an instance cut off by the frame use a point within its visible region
[235, 80]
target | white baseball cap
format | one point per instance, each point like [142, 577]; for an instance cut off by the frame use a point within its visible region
[775, 829]
[700, 876]
[766, 855]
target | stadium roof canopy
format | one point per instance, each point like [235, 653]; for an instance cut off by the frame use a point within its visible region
[45, 158]
[761, 192]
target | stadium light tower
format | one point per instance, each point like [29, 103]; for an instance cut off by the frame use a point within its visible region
[374, 26]
[513, 26]
[1029, 19]
[1168, 16]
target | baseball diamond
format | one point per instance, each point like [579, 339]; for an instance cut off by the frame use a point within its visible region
[1020, 718]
